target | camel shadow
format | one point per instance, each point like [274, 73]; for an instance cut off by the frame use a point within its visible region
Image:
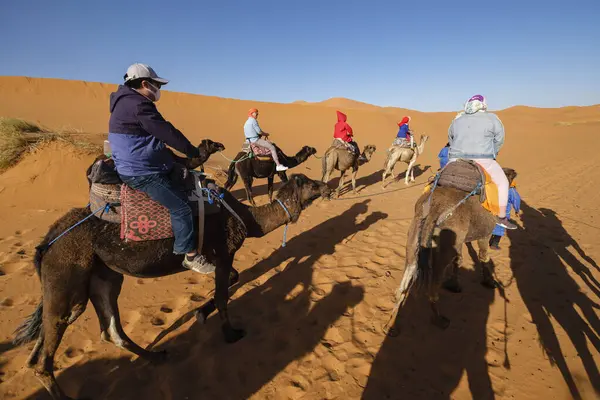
[362, 182]
[425, 362]
[286, 318]
[539, 261]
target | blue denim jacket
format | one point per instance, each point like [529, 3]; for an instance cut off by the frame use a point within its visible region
[476, 136]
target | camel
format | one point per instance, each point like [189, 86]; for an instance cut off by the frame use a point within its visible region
[405, 155]
[342, 160]
[250, 168]
[89, 262]
[434, 242]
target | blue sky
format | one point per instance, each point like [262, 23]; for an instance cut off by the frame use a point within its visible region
[426, 55]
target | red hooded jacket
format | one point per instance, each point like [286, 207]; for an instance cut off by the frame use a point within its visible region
[342, 129]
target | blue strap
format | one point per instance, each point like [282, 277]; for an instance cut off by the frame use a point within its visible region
[283, 243]
[105, 208]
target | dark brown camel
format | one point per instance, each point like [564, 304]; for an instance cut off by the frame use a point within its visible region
[435, 241]
[342, 160]
[89, 262]
[250, 168]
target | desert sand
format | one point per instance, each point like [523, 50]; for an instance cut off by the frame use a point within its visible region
[313, 310]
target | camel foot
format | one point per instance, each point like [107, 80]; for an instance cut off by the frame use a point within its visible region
[440, 321]
[489, 283]
[452, 286]
[232, 335]
[204, 312]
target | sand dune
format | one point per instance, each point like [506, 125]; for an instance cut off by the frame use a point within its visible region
[313, 310]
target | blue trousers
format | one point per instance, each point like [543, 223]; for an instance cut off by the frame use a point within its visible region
[162, 190]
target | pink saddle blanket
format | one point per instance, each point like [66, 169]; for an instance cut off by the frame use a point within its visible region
[142, 218]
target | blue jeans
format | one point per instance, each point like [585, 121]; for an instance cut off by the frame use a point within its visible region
[162, 190]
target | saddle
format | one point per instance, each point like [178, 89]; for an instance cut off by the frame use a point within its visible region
[254, 151]
[464, 175]
[340, 144]
[140, 217]
[401, 142]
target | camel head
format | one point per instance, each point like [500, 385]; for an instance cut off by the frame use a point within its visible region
[206, 147]
[424, 138]
[210, 147]
[306, 151]
[368, 151]
[299, 192]
[510, 173]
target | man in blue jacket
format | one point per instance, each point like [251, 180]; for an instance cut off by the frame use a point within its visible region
[138, 137]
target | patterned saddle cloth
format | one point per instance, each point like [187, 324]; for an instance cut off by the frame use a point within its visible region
[256, 151]
[401, 142]
[141, 218]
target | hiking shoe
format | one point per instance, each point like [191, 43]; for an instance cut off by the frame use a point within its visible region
[505, 223]
[281, 168]
[198, 263]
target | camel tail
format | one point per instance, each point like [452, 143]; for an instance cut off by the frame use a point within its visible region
[30, 329]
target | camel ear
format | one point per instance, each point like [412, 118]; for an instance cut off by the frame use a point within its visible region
[298, 180]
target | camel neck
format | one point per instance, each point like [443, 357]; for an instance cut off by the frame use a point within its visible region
[268, 218]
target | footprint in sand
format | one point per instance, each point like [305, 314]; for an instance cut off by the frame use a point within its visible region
[196, 297]
[72, 352]
[7, 302]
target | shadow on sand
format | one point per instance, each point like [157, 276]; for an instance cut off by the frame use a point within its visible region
[540, 261]
[425, 362]
[285, 317]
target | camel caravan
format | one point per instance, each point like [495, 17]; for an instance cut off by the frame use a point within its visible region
[152, 214]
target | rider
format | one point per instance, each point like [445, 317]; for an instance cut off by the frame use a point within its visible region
[443, 155]
[478, 135]
[138, 138]
[404, 135]
[255, 135]
[343, 132]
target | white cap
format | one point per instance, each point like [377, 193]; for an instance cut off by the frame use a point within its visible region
[137, 71]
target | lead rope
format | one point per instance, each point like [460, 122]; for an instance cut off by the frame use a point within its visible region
[105, 207]
[283, 242]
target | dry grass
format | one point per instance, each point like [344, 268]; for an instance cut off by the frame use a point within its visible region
[18, 137]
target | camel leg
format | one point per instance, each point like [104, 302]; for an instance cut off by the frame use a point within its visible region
[209, 307]
[341, 184]
[282, 176]
[409, 171]
[385, 172]
[270, 180]
[222, 277]
[105, 287]
[64, 300]
[248, 186]
[487, 278]
[452, 284]
[408, 279]
[354, 172]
